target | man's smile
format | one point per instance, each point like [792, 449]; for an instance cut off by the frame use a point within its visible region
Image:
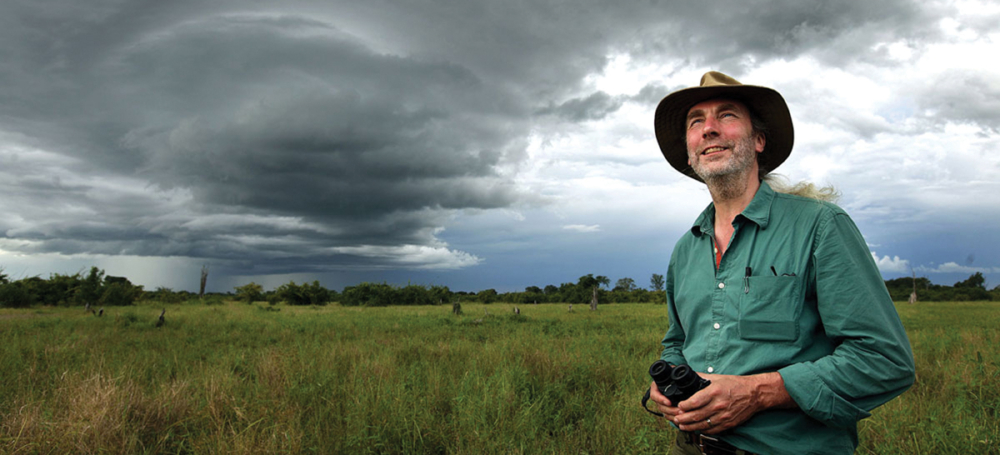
[713, 149]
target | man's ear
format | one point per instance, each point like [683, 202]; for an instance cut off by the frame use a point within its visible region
[758, 142]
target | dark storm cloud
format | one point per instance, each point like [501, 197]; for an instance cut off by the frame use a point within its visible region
[737, 36]
[263, 117]
[594, 107]
[323, 135]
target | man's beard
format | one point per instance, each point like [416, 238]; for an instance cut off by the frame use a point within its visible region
[729, 180]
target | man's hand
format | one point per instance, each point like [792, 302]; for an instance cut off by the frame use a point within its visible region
[726, 403]
[664, 405]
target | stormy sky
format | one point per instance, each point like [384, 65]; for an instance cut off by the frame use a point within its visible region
[468, 143]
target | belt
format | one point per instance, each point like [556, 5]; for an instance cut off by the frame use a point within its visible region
[709, 445]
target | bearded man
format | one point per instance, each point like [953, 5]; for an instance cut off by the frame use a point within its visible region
[772, 297]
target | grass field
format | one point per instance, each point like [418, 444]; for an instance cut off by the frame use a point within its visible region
[237, 378]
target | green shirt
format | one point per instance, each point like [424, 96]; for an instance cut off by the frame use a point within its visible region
[797, 292]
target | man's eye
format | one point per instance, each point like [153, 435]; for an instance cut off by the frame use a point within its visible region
[694, 122]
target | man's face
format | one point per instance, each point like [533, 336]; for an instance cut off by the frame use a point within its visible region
[720, 139]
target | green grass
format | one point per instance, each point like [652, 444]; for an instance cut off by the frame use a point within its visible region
[237, 378]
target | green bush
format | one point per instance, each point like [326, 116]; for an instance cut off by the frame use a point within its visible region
[250, 293]
[120, 294]
[13, 295]
[315, 293]
[90, 288]
[368, 294]
[414, 295]
[166, 295]
[213, 299]
[488, 296]
[304, 294]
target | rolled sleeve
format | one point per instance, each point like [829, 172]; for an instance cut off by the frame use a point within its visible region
[815, 397]
[872, 362]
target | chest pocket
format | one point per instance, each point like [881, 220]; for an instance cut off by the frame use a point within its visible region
[770, 310]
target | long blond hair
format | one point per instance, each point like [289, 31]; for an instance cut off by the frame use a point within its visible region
[780, 184]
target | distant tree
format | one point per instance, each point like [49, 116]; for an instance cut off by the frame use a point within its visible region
[305, 294]
[534, 290]
[39, 291]
[62, 289]
[625, 285]
[440, 294]
[564, 293]
[591, 283]
[165, 295]
[413, 294]
[292, 294]
[120, 294]
[907, 283]
[368, 294]
[551, 289]
[90, 288]
[488, 296]
[976, 280]
[250, 293]
[656, 282]
[108, 279]
[973, 288]
[13, 295]
[316, 293]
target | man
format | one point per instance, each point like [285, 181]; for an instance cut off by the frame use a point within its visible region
[774, 298]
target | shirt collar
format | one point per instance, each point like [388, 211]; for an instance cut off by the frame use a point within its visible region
[758, 211]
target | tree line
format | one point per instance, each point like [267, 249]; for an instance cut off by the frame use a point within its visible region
[94, 288]
[971, 289]
[98, 289]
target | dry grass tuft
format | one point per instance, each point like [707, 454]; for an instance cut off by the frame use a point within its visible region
[271, 374]
[98, 413]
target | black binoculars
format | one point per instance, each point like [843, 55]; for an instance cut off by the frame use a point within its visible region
[676, 383]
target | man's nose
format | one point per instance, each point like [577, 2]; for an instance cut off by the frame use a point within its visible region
[708, 128]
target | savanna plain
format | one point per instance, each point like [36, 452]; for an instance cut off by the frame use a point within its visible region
[238, 378]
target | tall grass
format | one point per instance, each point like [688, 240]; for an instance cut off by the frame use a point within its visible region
[239, 378]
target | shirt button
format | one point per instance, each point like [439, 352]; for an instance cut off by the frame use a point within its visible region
[710, 369]
[722, 285]
[717, 325]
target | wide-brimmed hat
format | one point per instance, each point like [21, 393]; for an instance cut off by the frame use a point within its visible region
[765, 103]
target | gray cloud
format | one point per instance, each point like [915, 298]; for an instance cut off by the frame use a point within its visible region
[593, 107]
[270, 118]
[962, 96]
[326, 135]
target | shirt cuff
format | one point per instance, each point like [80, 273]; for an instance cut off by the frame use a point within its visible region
[817, 399]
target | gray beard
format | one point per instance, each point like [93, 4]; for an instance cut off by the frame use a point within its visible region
[731, 182]
[728, 186]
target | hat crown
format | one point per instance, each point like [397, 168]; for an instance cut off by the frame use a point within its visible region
[764, 103]
[715, 78]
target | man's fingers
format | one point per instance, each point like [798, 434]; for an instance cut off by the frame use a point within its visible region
[657, 397]
[699, 400]
[708, 425]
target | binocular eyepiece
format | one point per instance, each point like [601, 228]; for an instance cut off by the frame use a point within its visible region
[677, 383]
